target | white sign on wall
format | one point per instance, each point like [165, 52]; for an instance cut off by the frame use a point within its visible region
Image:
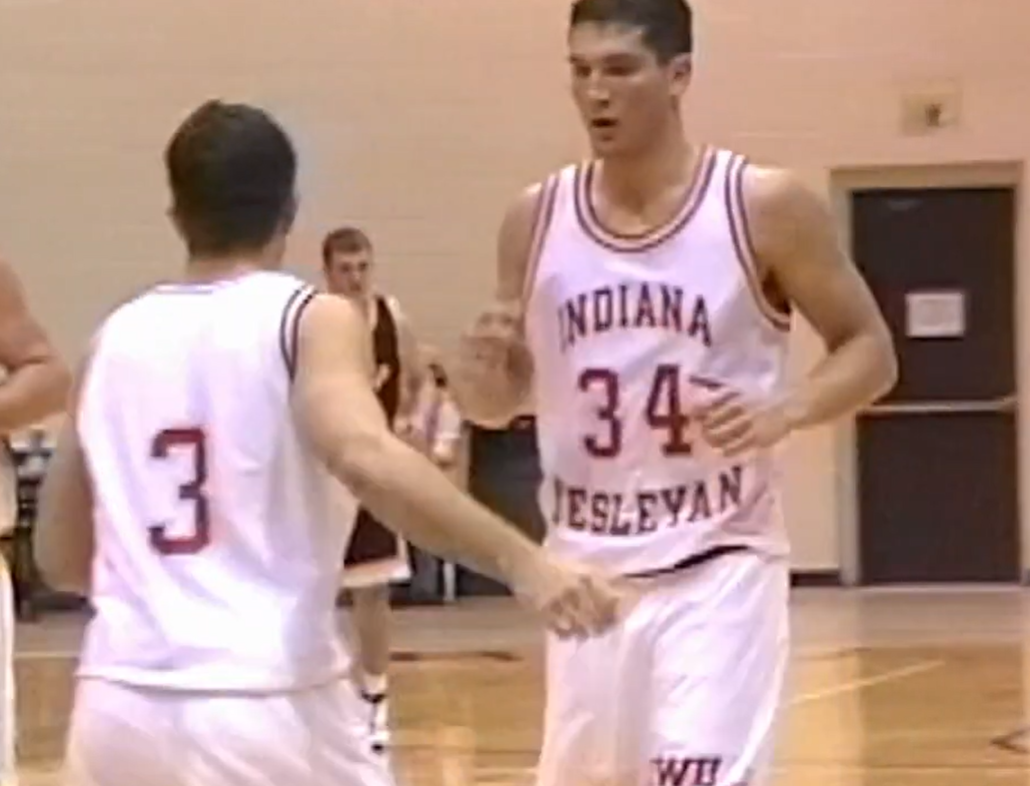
[935, 314]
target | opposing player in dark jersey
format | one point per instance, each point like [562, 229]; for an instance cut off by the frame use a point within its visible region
[376, 557]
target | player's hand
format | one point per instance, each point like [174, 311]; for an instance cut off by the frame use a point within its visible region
[406, 429]
[573, 601]
[490, 339]
[733, 425]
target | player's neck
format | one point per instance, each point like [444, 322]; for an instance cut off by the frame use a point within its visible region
[636, 180]
[208, 269]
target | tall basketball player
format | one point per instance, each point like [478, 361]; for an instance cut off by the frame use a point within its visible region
[375, 556]
[646, 296]
[36, 386]
[191, 493]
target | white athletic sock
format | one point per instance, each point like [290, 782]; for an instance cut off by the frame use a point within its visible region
[374, 684]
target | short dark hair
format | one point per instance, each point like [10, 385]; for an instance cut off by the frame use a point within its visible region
[344, 240]
[666, 26]
[232, 171]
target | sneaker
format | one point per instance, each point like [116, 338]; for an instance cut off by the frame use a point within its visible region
[379, 729]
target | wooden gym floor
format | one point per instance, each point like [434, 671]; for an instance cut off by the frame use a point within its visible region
[889, 688]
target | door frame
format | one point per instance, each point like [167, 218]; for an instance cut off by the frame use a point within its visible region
[1006, 174]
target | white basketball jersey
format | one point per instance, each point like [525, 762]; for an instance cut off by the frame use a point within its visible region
[628, 334]
[216, 556]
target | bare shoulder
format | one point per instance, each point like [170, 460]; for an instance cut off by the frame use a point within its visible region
[778, 198]
[519, 219]
[332, 337]
[515, 239]
[326, 313]
[522, 209]
[787, 217]
[796, 239]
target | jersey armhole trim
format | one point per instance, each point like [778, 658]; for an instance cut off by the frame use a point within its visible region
[744, 245]
[542, 217]
[289, 326]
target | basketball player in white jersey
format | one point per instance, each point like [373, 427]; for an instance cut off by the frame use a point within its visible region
[36, 386]
[375, 556]
[191, 490]
[645, 297]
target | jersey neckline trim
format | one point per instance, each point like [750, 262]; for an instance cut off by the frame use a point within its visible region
[201, 287]
[590, 222]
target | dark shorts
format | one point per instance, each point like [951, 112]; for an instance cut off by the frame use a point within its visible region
[371, 542]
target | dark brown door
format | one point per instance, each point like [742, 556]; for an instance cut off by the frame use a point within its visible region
[937, 461]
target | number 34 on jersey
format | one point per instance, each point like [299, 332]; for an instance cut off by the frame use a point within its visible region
[666, 410]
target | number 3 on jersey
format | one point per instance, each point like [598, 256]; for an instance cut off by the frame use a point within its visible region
[191, 493]
[664, 411]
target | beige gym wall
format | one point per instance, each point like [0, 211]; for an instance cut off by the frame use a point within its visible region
[419, 118]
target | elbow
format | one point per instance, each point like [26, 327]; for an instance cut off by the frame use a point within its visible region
[885, 363]
[47, 391]
[60, 386]
[889, 362]
[52, 387]
[891, 372]
[62, 380]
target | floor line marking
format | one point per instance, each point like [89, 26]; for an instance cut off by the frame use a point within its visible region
[46, 654]
[853, 686]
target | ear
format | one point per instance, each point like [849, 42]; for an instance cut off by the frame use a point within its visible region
[173, 216]
[681, 69]
[286, 221]
[290, 214]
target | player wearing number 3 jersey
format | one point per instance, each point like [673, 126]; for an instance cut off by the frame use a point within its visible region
[215, 425]
[644, 299]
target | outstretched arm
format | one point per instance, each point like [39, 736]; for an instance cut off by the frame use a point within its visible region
[339, 413]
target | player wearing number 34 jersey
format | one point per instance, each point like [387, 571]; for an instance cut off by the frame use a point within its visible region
[643, 300]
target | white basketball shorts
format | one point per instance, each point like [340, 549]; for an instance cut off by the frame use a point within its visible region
[685, 691]
[126, 736]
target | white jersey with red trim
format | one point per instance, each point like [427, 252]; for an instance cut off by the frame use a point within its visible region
[628, 334]
[217, 555]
